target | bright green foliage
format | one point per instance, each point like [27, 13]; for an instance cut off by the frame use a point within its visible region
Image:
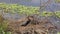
[46, 13]
[20, 9]
[57, 13]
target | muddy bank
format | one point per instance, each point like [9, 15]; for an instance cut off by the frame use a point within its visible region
[33, 25]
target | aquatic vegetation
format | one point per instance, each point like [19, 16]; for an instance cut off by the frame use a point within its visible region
[27, 10]
[46, 13]
[57, 13]
[20, 9]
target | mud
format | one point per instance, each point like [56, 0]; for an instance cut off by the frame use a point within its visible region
[32, 25]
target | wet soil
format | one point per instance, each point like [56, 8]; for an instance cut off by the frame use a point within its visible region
[32, 25]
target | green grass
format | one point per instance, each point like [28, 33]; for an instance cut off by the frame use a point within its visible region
[57, 13]
[3, 26]
[27, 10]
[20, 9]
